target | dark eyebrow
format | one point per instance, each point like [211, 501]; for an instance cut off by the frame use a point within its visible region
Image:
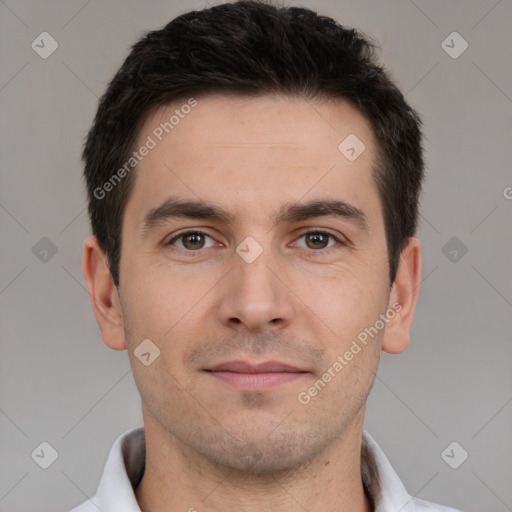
[297, 212]
[173, 208]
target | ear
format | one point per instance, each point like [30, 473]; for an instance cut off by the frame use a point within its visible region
[403, 298]
[103, 294]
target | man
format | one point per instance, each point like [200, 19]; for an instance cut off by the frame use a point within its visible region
[253, 180]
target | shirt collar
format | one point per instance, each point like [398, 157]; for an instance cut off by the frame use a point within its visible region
[125, 466]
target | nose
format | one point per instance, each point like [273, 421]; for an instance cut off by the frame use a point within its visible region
[255, 296]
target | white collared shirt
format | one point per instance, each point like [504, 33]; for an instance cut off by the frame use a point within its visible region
[125, 466]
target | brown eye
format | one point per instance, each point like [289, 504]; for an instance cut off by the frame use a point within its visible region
[318, 240]
[191, 240]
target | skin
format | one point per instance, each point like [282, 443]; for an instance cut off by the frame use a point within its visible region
[209, 445]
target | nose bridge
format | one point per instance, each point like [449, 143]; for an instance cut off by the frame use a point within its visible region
[254, 295]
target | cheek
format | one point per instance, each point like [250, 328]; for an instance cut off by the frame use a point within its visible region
[344, 311]
[153, 310]
[167, 308]
[348, 301]
[155, 290]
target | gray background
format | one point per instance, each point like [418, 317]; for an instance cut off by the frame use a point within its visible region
[60, 384]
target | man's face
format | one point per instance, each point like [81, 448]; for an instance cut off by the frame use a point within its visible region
[253, 290]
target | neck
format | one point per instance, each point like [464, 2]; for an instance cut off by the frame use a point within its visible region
[176, 478]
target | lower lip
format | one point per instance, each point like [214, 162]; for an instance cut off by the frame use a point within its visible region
[256, 381]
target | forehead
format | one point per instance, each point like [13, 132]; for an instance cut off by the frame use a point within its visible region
[248, 152]
[270, 120]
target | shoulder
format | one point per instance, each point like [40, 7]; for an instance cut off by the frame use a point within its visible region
[384, 485]
[419, 505]
[87, 506]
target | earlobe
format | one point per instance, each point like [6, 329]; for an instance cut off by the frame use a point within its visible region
[103, 294]
[403, 298]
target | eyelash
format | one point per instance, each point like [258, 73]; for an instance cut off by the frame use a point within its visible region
[313, 251]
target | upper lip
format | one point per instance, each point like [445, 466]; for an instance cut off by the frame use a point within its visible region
[245, 367]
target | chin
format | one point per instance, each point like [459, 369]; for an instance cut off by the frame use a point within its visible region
[267, 455]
